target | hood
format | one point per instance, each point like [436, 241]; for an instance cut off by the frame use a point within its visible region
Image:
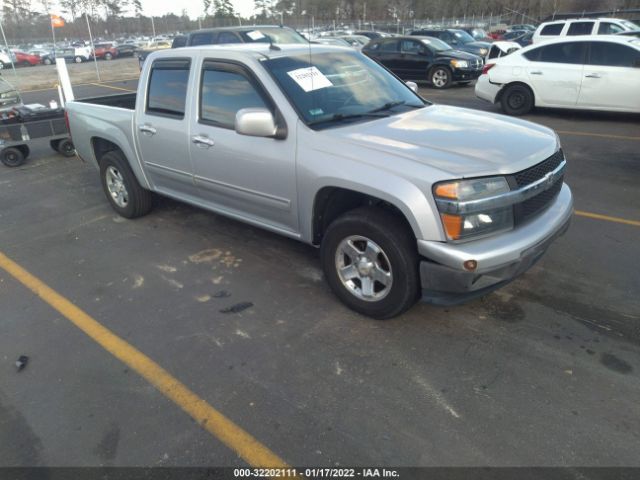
[457, 54]
[457, 141]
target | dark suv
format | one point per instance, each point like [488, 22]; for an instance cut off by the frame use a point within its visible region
[425, 59]
[458, 39]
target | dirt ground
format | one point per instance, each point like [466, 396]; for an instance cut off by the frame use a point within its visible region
[46, 76]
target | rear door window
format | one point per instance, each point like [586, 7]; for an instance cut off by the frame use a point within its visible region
[552, 29]
[168, 84]
[228, 37]
[204, 38]
[613, 55]
[580, 28]
[389, 46]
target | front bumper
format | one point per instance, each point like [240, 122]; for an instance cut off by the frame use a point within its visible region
[462, 75]
[500, 259]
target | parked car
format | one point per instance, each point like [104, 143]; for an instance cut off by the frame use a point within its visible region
[179, 41]
[336, 41]
[523, 26]
[425, 59]
[372, 35]
[478, 34]
[458, 39]
[356, 41]
[126, 50]
[581, 26]
[48, 58]
[152, 47]
[405, 199]
[501, 49]
[9, 97]
[596, 72]
[511, 35]
[524, 40]
[6, 58]
[75, 54]
[26, 59]
[105, 51]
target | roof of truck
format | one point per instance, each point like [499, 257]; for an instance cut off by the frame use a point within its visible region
[258, 50]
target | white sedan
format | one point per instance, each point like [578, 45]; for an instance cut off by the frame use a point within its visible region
[599, 72]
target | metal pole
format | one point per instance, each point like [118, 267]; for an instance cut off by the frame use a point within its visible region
[93, 50]
[153, 27]
[8, 51]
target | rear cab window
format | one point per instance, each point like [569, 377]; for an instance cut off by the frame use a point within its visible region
[202, 38]
[167, 90]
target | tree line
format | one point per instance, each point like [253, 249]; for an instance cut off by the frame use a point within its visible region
[28, 20]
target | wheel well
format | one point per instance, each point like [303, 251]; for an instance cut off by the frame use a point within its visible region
[331, 202]
[102, 146]
[437, 65]
[506, 87]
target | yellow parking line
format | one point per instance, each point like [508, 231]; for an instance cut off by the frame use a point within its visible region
[599, 135]
[112, 87]
[233, 436]
[598, 216]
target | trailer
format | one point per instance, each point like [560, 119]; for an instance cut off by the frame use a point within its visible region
[24, 124]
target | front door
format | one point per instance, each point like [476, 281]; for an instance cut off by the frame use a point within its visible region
[162, 127]
[253, 178]
[414, 59]
[611, 78]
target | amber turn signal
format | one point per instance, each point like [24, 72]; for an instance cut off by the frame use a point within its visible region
[447, 190]
[452, 225]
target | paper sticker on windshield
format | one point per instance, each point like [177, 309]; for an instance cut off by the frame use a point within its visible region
[255, 35]
[310, 79]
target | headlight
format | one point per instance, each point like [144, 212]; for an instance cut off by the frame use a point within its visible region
[458, 201]
[483, 51]
[460, 63]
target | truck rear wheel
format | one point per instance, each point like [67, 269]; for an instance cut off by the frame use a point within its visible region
[370, 261]
[125, 194]
[66, 148]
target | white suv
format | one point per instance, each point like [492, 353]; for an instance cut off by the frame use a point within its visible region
[581, 26]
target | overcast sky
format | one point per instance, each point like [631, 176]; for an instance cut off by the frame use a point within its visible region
[193, 7]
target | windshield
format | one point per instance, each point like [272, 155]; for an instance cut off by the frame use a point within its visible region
[629, 25]
[276, 34]
[331, 87]
[436, 44]
[463, 37]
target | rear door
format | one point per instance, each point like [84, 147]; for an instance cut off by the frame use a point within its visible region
[611, 77]
[253, 178]
[162, 126]
[555, 73]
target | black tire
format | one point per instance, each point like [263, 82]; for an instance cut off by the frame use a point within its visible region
[440, 77]
[54, 144]
[65, 147]
[398, 244]
[12, 157]
[108, 56]
[78, 59]
[47, 61]
[26, 64]
[517, 100]
[140, 200]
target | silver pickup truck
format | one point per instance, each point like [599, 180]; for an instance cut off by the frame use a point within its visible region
[406, 199]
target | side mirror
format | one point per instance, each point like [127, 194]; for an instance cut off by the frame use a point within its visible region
[255, 122]
[413, 86]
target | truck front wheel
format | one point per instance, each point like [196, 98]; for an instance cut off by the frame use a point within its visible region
[370, 261]
[125, 194]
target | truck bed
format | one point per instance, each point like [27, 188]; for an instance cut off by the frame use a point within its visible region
[121, 100]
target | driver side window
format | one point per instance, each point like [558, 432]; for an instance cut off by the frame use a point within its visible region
[411, 47]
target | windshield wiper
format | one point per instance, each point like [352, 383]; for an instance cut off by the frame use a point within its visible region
[338, 117]
[390, 105]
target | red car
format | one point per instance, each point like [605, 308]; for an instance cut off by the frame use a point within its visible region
[26, 59]
[106, 51]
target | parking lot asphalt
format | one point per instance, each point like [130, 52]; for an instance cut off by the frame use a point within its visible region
[542, 373]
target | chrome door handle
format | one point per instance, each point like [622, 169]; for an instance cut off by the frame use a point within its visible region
[537, 72]
[592, 75]
[148, 129]
[203, 141]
